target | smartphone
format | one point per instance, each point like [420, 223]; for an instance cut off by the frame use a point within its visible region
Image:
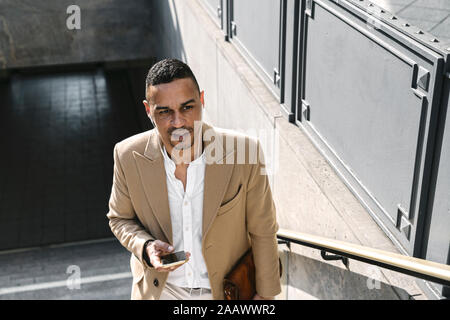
[174, 259]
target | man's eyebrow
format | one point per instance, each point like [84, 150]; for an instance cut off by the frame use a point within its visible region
[187, 102]
[183, 104]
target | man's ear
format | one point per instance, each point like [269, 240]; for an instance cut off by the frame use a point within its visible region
[147, 107]
[202, 98]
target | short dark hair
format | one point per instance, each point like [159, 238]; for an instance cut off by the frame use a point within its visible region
[167, 70]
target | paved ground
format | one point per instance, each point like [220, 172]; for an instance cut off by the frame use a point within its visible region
[432, 16]
[43, 273]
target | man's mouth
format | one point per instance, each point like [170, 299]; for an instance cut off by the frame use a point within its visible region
[179, 135]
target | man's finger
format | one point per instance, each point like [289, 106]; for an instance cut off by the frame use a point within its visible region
[163, 246]
[156, 262]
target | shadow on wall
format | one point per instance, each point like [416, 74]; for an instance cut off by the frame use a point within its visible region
[134, 74]
[168, 40]
[328, 282]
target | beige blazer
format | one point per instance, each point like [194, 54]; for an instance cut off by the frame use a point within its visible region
[238, 209]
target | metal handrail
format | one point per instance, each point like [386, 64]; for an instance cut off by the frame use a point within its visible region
[420, 268]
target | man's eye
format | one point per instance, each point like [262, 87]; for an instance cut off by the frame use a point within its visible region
[188, 107]
[163, 112]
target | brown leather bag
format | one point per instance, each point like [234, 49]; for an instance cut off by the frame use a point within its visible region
[240, 283]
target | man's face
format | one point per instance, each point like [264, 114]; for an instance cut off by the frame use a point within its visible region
[174, 107]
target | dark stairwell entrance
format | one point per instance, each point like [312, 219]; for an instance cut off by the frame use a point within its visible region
[57, 133]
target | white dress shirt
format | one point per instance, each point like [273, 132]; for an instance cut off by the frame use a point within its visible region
[186, 213]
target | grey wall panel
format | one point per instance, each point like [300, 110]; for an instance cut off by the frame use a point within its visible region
[257, 23]
[215, 9]
[439, 235]
[257, 32]
[438, 244]
[290, 59]
[365, 107]
[214, 4]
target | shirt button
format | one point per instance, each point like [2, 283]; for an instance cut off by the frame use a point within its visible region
[185, 203]
[156, 282]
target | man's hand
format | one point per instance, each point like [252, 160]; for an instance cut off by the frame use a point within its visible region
[258, 297]
[158, 248]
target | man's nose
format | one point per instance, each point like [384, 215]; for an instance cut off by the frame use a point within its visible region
[177, 120]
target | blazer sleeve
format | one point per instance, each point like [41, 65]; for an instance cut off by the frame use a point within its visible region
[262, 228]
[122, 218]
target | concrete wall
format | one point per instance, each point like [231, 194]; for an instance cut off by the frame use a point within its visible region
[309, 196]
[34, 33]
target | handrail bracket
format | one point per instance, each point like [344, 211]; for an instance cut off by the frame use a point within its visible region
[331, 257]
[287, 243]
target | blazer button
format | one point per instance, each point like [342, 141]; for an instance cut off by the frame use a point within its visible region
[156, 282]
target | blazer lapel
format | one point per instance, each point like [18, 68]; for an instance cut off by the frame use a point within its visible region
[217, 176]
[153, 178]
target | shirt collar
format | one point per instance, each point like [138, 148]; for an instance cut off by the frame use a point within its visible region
[167, 159]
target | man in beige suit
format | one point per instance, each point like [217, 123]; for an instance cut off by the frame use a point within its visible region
[186, 185]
